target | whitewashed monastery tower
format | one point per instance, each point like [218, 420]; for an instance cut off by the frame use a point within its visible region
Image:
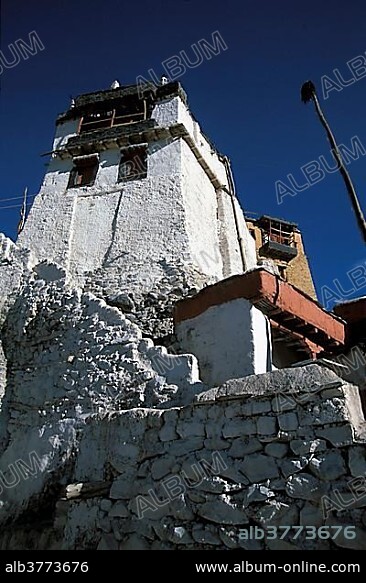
[133, 190]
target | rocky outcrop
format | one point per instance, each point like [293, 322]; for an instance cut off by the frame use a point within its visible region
[70, 356]
[149, 303]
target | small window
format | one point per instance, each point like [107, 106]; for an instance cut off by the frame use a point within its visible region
[279, 233]
[84, 171]
[133, 164]
[282, 271]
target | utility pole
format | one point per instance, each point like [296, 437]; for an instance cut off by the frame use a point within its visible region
[308, 93]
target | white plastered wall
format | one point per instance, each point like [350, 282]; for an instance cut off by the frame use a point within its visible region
[230, 340]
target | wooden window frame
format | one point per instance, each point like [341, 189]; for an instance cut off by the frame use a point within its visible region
[84, 171]
[133, 163]
[112, 120]
[278, 234]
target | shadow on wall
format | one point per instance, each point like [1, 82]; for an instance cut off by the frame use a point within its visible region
[106, 261]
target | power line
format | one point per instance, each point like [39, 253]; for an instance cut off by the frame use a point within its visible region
[16, 198]
[13, 206]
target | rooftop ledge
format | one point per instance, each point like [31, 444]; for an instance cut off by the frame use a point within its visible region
[281, 302]
[109, 97]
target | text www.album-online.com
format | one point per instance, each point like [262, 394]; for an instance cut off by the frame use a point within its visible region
[301, 567]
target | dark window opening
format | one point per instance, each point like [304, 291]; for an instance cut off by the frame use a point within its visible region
[84, 172]
[282, 271]
[128, 111]
[96, 121]
[133, 164]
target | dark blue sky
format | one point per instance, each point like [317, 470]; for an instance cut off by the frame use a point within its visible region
[246, 99]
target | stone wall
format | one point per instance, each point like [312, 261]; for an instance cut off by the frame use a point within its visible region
[261, 451]
[285, 448]
[298, 270]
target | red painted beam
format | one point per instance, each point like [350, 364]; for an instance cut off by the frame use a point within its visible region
[268, 292]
